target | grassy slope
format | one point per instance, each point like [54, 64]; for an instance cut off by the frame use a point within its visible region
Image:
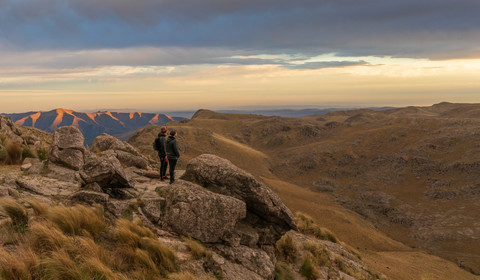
[364, 135]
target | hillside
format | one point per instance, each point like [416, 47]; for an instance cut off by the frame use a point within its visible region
[98, 214]
[409, 175]
[91, 124]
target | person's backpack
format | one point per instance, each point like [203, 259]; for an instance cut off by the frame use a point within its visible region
[156, 144]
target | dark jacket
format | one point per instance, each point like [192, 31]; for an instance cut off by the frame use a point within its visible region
[162, 145]
[172, 149]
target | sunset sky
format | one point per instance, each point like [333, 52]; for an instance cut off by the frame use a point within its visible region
[165, 55]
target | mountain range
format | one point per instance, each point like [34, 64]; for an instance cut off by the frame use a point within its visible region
[91, 124]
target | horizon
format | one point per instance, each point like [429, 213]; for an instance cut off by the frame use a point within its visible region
[179, 55]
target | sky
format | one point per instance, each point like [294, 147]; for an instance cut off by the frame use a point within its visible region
[166, 55]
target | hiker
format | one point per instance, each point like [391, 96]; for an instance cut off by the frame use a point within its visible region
[172, 153]
[161, 146]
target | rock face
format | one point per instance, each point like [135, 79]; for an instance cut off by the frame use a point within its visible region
[67, 148]
[123, 151]
[194, 211]
[106, 171]
[8, 128]
[267, 215]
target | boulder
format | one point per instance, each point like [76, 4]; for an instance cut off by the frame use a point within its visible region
[90, 197]
[194, 211]
[266, 212]
[67, 148]
[107, 172]
[8, 128]
[123, 151]
[255, 260]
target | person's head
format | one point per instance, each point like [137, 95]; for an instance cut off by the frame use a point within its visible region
[173, 132]
[163, 129]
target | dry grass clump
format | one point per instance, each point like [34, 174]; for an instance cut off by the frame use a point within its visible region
[287, 249]
[307, 225]
[196, 248]
[283, 271]
[17, 213]
[76, 243]
[77, 220]
[187, 276]
[319, 253]
[139, 247]
[309, 269]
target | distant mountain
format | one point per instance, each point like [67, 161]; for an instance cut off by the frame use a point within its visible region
[91, 124]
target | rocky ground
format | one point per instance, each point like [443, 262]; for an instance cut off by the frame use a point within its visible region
[246, 230]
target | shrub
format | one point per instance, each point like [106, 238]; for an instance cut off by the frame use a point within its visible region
[283, 272]
[28, 153]
[196, 248]
[319, 253]
[306, 225]
[16, 212]
[308, 268]
[42, 154]
[287, 249]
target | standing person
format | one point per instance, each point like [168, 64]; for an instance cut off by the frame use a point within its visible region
[161, 147]
[172, 153]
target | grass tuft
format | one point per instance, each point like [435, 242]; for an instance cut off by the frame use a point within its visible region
[287, 249]
[307, 225]
[38, 207]
[319, 253]
[17, 213]
[77, 220]
[283, 272]
[308, 268]
[196, 248]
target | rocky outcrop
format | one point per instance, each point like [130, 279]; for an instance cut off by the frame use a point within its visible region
[124, 152]
[194, 211]
[67, 148]
[106, 171]
[267, 215]
[8, 128]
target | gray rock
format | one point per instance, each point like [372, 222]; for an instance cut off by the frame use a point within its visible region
[266, 212]
[255, 260]
[107, 172]
[67, 147]
[25, 166]
[31, 161]
[94, 187]
[123, 151]
[152, 208]
[90, 197]
[194, 211]
[8, 128]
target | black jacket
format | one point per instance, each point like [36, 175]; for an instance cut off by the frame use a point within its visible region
[162, 145]
[172, 149]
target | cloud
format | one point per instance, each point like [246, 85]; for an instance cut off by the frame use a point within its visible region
[432, 28]
[325, 64]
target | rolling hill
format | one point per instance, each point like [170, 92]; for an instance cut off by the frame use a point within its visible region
[91, 124]
[401, 185]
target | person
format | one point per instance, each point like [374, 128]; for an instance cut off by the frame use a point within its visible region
[172, 153]
[161, 147]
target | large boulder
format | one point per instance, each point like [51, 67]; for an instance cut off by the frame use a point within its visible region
[67, 148]
[194, 211]
[266, 213]
[106, 171]
[124, 152]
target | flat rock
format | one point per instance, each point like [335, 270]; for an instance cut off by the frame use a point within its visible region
[90, 197]
[107, 172]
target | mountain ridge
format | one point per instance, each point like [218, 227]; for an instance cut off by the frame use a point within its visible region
[91, 124]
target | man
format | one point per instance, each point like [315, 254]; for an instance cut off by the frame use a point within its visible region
[172, 154]
[161, 147]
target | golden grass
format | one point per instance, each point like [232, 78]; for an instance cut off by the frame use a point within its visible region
[75, 243]
[14, 152]
[77, 220]
[17, 213]
[308, 268]
[320, 255]
[196, 248]
[307, 225]
[283, 271]
[287, 249]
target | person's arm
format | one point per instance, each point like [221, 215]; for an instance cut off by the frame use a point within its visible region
[175, 149]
